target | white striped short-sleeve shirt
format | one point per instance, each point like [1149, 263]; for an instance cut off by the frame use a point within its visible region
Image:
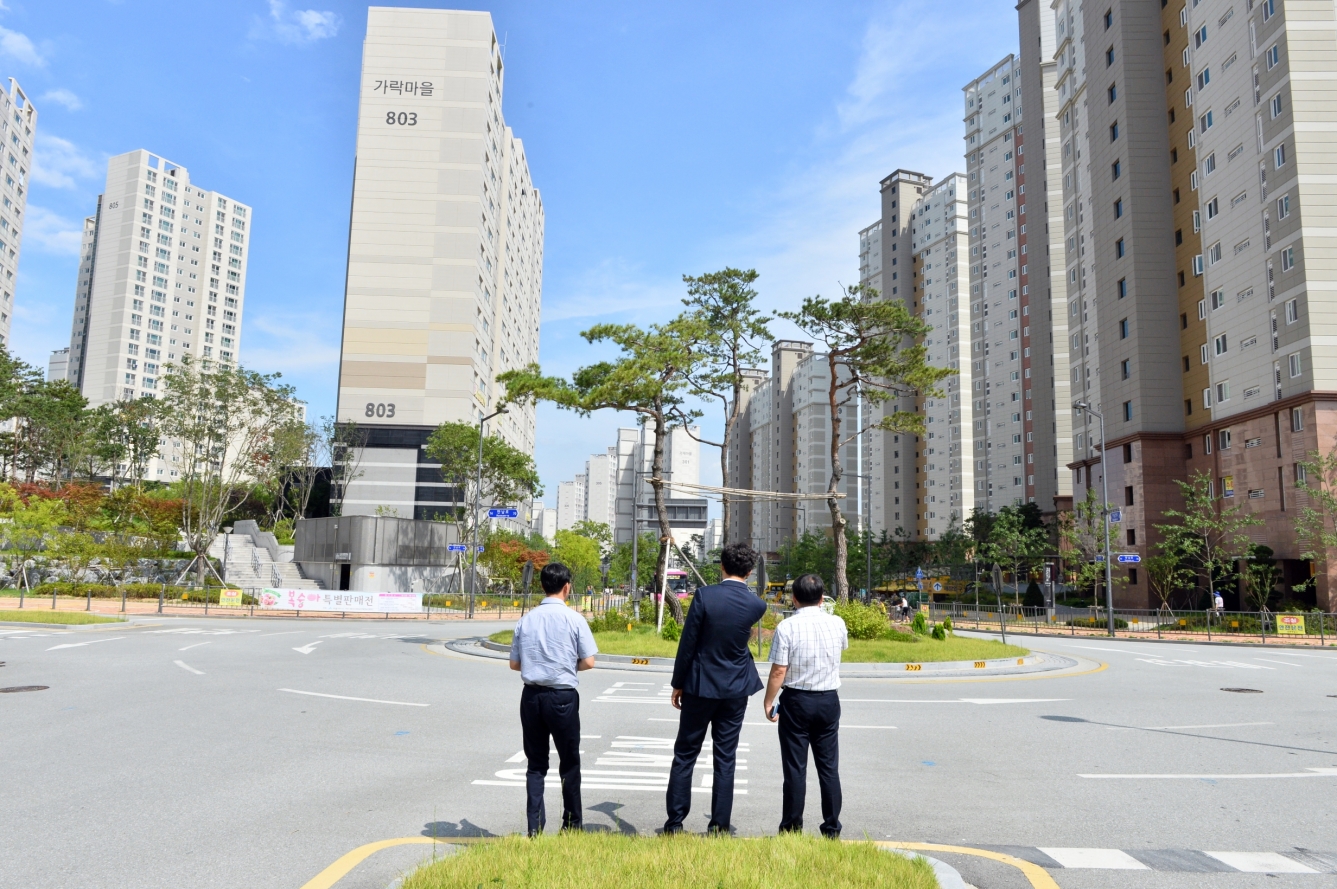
[809, 643]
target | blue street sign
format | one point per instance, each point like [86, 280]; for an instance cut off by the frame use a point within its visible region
[457, 548]
[503, 513]
[919, 574]
[1129, 557]
[480, 547]
[1116, 516]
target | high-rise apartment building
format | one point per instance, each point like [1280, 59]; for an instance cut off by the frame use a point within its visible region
[445, 252]
[570, 503]
[1194, 136]
[1018, 327]
[162, 278]
[18, 124]
[601, 488]
[944, 465]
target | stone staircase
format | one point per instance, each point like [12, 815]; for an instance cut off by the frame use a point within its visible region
[253, 567]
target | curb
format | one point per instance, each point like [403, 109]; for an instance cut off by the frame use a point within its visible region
[1189, 641]
[1032, 663]
[948, 876]
[29, 623]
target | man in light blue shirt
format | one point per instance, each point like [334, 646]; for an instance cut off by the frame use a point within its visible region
[551, 644]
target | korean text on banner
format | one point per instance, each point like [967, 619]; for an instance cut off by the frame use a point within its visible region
[230, 598]
[1290, 624]
[341, 600]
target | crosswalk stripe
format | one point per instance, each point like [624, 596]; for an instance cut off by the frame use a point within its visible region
[1262, 863]
[1102, 859]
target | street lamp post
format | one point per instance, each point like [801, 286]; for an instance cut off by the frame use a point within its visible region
[1104, 515]
[478, 494]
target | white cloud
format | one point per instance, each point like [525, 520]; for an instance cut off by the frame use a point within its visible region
[63, 97]
[58, 162]
[50, 232]
[19, 48]
[292, 344]
[296, 26]
[613, 282]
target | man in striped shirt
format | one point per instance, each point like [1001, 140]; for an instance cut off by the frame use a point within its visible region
[805, 661]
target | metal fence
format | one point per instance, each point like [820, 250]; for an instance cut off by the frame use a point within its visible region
[1242, 626]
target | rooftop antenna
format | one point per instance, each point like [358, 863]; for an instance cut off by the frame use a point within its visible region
[504, 35]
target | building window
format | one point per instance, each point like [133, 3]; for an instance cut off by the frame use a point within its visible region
[1109, 57]
[1292, 311]
[1204, 78]
[1218, 299]
[1297, 419]
[1209, 165]
[1114, 131]
[1288, 259]
[1223, 439]
[1126, 369]
[1127, 410]
[1213, 208]
[1205, 122]
[1116, 170]
[1220, 344]
[1118, 208]
[1113, 93]
[1207, 443]
[1279, 156]
[1197, 265]
[1128, 495]
[1295, 365]
[1109, 18]
[1203, 353]
[1123, 287]
[1222, 392]
[1273, 56]
[1214, 253]
[1123, 329]
[1269, 9]
[1207, 401]
[1283, 206]
[1118, 248]
[1200, 37]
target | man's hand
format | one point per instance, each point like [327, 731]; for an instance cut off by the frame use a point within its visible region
[676, 699]
[773, 684]
[585, 663]
[515, 665]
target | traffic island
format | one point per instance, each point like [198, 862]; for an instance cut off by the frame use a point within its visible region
[45, 617]
[604, 860]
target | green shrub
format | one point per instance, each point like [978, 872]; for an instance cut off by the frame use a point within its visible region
[611, 620]
[1119, 623]
[947, 625]
[1033, 598]
[919, 624]
[938, 632]
[863, 621]
[671, 632]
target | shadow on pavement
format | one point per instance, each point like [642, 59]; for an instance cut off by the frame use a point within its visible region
[448, 829]
[610, 809]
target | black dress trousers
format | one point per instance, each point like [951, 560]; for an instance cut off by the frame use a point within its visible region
[810, 719]
[551, 712]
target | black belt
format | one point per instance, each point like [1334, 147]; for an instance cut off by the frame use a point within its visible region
[807, 691]
[535, 685]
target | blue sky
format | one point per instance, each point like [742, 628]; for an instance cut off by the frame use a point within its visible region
[667, 139]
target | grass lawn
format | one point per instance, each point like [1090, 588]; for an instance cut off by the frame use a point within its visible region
[642, 642]
[38, 616]
[615, 861]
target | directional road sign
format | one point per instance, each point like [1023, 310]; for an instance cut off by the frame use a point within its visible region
[503, 513]
[1116, 516]
[457, 548]
[1129, 557]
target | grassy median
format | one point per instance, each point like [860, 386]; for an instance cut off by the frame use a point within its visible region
[616, 861]
[643, 642]
[35, 616]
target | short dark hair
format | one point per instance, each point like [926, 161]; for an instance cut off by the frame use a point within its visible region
[738, 559]
[554, 576]
[809, 589]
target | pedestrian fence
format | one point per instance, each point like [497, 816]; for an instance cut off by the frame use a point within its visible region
[1244, 626]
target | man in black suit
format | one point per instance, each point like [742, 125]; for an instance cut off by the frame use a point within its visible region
[713, 676]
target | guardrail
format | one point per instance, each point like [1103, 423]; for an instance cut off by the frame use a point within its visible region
[1244, 626]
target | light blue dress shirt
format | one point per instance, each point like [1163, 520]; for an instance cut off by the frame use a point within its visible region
[548, 641]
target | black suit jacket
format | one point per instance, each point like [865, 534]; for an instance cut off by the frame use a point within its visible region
[713, 659]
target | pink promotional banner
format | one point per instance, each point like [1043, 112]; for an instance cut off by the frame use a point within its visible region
[340, 600]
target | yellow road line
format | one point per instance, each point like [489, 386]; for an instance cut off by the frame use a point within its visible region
[1038, 876]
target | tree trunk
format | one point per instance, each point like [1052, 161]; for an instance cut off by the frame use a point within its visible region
[726, 504]
[837, 470]
[661, 509]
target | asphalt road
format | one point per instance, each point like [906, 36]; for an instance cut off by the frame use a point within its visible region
[228, 752]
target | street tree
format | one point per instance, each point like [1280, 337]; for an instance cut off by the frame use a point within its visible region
[1082, 537]
[619, 563]
[874, 348]
[220, 422]
[599, 532]
[508, 474]
[581, 555]
[648, 379]
[724, 302]
[1166, 575]
[1316, 519]
[1016, 539]
[28, 530]
[1207, 534]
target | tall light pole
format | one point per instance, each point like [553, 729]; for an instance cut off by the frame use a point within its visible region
[1104, 515]
[478, 494]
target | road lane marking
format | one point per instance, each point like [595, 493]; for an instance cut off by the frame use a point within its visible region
[81, 644]
[1100, 859]
[1177, 662]
[1039, 877]
[196, 645]
[316, 694]
[308, 648]
[952, 700]
[1283, 663]
[187, 667]
[1167, 728]
[1261, 862]
[285, 633]
[1307, 773]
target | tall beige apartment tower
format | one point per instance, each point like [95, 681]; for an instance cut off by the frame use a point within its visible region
[18, 124]
[445, 254]
[162, 277]
[1198, 217]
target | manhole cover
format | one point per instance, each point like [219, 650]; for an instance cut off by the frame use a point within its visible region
[14, 688]
[1245, 691]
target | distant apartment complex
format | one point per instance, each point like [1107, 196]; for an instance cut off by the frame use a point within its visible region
[445, 253]
[162, 277]
[18, 124]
